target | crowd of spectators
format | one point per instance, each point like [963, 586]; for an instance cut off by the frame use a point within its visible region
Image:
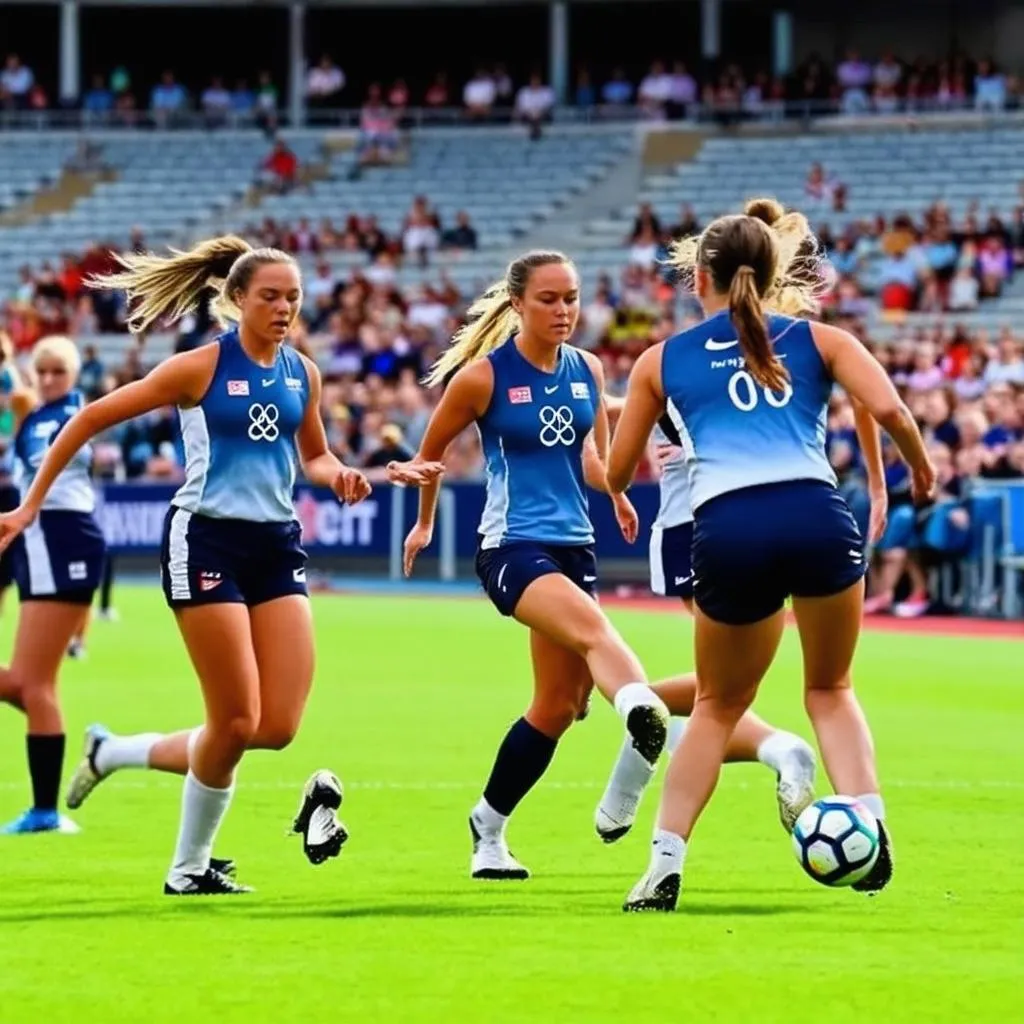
[670, 89]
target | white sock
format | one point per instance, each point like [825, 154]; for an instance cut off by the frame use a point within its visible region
[631, 773]
[202, 810]
[634, 695]
[774, 749]
[667, 853]
[488, 821]
[676, 731]
[874, 803]
[126, 751]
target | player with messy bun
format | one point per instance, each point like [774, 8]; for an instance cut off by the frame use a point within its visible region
[748, 390]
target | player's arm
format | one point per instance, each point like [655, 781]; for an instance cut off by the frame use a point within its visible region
[864, 379]
[869, 436]
[181, 380]
[320, 466]
[463, 402]
[595, 445]
[644, 404]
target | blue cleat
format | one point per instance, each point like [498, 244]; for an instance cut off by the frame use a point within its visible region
[40, 821]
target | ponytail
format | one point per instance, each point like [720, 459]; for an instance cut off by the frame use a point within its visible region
[172, 286]
[747, 315]
[491, 319]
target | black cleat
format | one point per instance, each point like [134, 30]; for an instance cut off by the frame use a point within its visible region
[224, 867]
[323, 835]
[881, 874]
[210, 883]
[647, 724]
[660, 897]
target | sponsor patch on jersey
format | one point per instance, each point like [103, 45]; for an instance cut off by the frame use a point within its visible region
[238, 387]
[293, 383]
[209, 580]
[77, 571]
[520, 396]
[580, 389]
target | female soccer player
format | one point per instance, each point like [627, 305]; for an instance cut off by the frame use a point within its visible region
[671, 569]
[537, 404]
[232, 568]
[752, 390]
[57, 567]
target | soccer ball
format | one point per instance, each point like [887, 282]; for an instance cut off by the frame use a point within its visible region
[836, 840]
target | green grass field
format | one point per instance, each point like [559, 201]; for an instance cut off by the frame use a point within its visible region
[411, 699]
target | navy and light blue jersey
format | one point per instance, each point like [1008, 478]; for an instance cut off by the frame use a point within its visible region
[72, 491]
[674, 507]
[742, 434]
[239, 441]
[532, 436]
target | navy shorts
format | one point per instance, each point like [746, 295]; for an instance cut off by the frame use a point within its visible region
[9, 501]
[672, 560]
[229, 561]
[60, 558]
[754, 547]
[507, 571]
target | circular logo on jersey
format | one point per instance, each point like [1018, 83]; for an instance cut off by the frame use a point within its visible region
[556, 426]
[263, 422]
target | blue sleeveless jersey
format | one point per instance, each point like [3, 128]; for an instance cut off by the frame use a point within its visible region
[72, 491]
[742, 434]
[239, 441]
[532, 436]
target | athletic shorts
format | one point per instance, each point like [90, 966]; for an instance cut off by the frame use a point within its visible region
[229, 561]
[507, 571]
[60, 558]
[672, 560]
[753, 548]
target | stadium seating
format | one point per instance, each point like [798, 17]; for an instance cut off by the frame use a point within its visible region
[30, 162]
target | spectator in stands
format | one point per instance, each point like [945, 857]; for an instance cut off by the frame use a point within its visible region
[994, 266]
[378, 130]
[655, 91]
[98, 102]
[683, 92]
[302, 238]
[437, 96]
[584, 95]
[168, 100]
[216, 103]
[504, 90]
[16, 83]
[462, 236]
[324, 85]
[1008, 364]
[479, 95]
[534, 103]
[617, 91]
[398, 101]
[266, 102]
[990, 88]
[420, 235]
[854, 77]
[280, 169]
[392, 446]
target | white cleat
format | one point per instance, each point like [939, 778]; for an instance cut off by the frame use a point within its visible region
[87, 776]
[323, 834]
[492, 859]
[795, 789]
[655, 891]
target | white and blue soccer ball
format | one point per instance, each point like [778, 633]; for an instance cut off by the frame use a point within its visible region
[836, 840]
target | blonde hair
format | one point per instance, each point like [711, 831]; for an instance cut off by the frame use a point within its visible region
[172, 286]
[764, 259]
[491, 318]
[60, 348]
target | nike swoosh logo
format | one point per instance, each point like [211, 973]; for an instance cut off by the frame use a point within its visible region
[267, 383]
[550, 391]
[680, 580]
[717, 346]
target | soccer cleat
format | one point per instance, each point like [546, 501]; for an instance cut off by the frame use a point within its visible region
[795, 788]
[654, 892]
[209, 883]
[881, 874]
[34, 820]
[492, 859]
[323, 835]
[647, 724]
[616, 813]
[87, 776]
[224, 866]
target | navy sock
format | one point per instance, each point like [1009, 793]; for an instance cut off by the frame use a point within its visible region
[45, 765]
[523, 757]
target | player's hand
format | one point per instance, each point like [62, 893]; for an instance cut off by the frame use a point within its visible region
[879, 516]
[415, 472]
[922, 483]
[12, 524]
[666, 453]
[626, 517]
[419, 537]
[351, 486]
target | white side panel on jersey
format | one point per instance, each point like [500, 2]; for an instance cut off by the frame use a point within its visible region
[196, 438]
